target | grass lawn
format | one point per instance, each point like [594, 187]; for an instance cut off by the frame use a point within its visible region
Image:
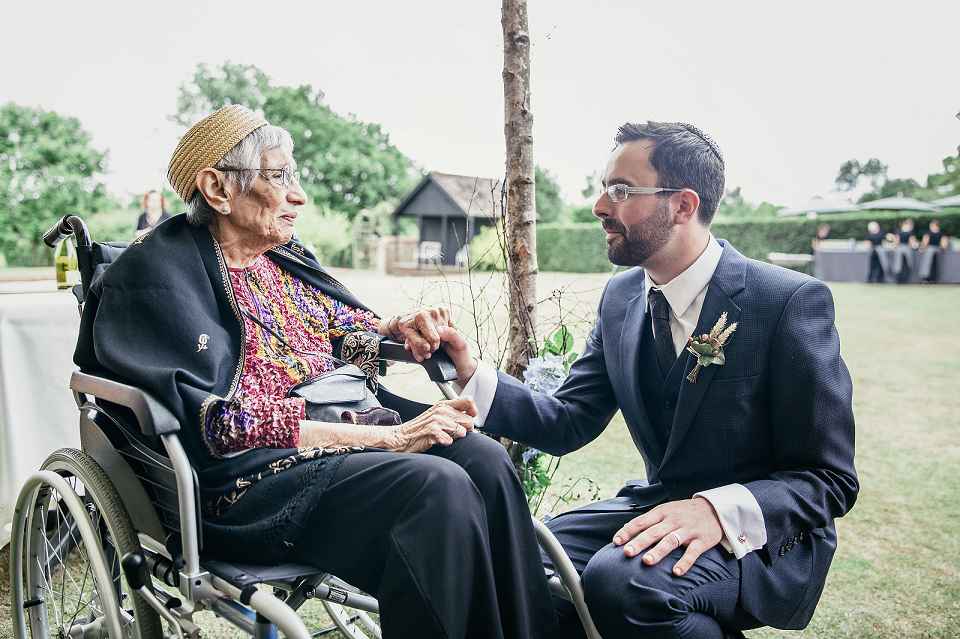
[897, 570]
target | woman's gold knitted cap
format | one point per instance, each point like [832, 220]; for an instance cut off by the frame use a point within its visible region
[206, 142]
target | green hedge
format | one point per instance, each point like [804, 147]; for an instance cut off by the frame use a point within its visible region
[572, 248]
[581, 248]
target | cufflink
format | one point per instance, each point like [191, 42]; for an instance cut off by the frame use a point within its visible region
[742, 538]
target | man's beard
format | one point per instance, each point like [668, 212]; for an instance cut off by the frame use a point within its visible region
[634, 246]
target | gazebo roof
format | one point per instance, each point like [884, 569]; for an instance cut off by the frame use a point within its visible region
[473, 196]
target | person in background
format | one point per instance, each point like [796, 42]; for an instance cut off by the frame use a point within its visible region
[823, 233]
[906, 241]
[934, 241]
[154, 211]
[875, 236]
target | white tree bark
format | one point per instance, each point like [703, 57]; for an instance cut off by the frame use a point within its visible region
[521, 212]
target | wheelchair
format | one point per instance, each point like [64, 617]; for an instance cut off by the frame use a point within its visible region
[106, 541]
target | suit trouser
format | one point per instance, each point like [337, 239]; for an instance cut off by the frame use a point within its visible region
[628, 598]
[443, 539]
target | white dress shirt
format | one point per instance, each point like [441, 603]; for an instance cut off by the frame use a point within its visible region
[736, 507]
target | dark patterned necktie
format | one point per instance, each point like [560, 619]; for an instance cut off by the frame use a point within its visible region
[662, 337]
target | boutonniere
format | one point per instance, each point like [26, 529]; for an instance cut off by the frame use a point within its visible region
[709, 347]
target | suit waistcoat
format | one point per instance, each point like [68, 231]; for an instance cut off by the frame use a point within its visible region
[659, 395]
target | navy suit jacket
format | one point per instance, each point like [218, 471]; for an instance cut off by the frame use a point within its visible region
[776, 418]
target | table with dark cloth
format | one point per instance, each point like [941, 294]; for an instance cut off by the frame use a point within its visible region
[854, 266]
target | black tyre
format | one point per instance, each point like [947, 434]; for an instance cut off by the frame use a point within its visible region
[62, 596]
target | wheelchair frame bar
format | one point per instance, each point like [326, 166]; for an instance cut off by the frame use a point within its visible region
[188, 505]
[568, 575]
[274, 609]
[346, 598]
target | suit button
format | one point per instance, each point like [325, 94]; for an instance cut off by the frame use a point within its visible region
[782, 552]
[666, 433]
[667, 404]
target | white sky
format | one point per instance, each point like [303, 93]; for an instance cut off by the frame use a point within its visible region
[789, 90]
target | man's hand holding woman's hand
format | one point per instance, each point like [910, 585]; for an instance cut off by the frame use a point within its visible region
[424, 330]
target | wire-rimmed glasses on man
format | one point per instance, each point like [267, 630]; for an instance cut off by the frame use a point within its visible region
[620, 192]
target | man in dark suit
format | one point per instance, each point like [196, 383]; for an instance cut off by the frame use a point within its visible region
[748, 459]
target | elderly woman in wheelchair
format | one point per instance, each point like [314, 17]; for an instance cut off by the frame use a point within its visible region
[231, 325]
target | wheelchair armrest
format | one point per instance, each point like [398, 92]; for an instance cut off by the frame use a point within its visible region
[439, 367]
[153, 417]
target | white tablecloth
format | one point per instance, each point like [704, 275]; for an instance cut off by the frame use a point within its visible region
[38, 415]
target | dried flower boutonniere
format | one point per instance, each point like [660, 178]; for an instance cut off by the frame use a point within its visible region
[709, 348]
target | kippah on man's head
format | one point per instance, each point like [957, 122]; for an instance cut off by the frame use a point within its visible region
[703, 136]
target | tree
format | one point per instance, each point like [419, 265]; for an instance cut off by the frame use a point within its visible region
[891, 188]
[938, 184]
[345, 164]
[848, 177]
[47, 169]
[522, 266]
[948, 182]
[733, 206]
[210, 90]
[550, 207]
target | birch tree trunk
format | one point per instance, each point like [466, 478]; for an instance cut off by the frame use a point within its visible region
[521, 212]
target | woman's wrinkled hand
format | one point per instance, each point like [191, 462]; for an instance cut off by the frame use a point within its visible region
[440, 424]
[417, 329]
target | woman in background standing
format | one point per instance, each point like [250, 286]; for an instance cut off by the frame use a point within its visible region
[154, 211]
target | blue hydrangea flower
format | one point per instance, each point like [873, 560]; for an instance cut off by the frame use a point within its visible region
[530, 454]
[545, 374]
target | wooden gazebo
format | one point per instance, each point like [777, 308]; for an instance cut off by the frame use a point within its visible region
[450, 209]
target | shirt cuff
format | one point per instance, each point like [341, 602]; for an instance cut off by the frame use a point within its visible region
[740, 517]
[482, 387]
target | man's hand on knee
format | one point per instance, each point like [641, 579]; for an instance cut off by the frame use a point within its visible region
[689, 522]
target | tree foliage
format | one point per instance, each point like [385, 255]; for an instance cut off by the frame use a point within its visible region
[948, 182]
[551, 208]
[734, 207]
[891, 188]
[47, 169]
[346, 165]
[937, 185]
[851, 171]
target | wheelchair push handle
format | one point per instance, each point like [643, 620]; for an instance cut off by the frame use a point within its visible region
[68, 225]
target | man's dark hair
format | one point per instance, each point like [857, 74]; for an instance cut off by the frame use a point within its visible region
[684, 158]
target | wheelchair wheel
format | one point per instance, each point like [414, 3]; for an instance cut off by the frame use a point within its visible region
[351, 622]
[62, 593]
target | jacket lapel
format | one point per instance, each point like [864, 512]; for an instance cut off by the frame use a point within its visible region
[727, 282]
[634, 412]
